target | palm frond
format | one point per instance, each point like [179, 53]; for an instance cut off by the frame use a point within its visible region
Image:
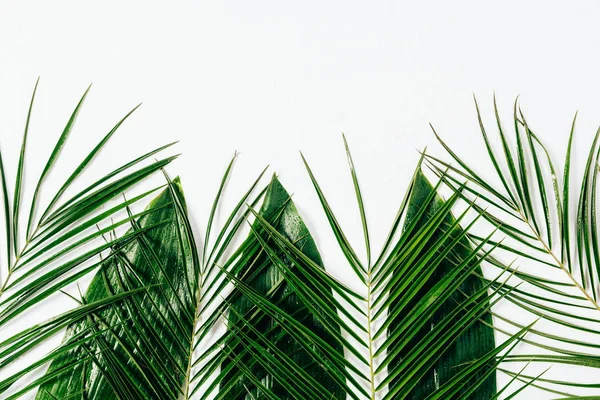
[532, 207]
[132, 329]
[164, 317]
[425, 312]
[293, 330]
[144, 345]
[60, 246]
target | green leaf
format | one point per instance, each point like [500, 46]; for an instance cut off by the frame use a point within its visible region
[472, 344]
[260, 273]
[140, 348]
[561, 287]
[19, 178]
[52, 159]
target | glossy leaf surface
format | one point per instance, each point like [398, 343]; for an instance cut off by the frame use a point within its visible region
[140, 349]
[260, 273]
[478, 339]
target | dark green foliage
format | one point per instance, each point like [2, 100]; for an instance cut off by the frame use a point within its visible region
[138, 348]
[263, 276]
[472, 344]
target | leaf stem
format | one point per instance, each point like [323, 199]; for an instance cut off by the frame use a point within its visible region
[558, 262]
[12, 268]
[370, 338]
[197, 320]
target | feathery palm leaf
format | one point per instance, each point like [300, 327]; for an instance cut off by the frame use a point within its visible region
[60, 245]
[286, 330]
[425, 316]
[419, 327]
[533, 208]
[159, 260]
[143, 346]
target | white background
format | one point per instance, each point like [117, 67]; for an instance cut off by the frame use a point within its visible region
[270, 78]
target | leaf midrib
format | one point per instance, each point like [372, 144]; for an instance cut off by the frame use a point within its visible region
[197, 319]
[369, 334]
[556, 259]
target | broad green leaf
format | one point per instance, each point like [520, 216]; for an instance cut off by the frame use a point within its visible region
[258, 334]
[141, 347]
[473, 343]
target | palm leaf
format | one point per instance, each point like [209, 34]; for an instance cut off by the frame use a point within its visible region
[474, 342]
[560, 280]
[420, 326]
[286, 331]
[265, 278]
[143, 346]
[60, 246]
[426, 312]
[158, 260]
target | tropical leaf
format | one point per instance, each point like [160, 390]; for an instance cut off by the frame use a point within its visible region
[265, 278]
[165, 318]
[472, 344]
[62, 243]
[286, 331]
[143, 346]
[160, 261]
[425, 315]
[532, 207]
